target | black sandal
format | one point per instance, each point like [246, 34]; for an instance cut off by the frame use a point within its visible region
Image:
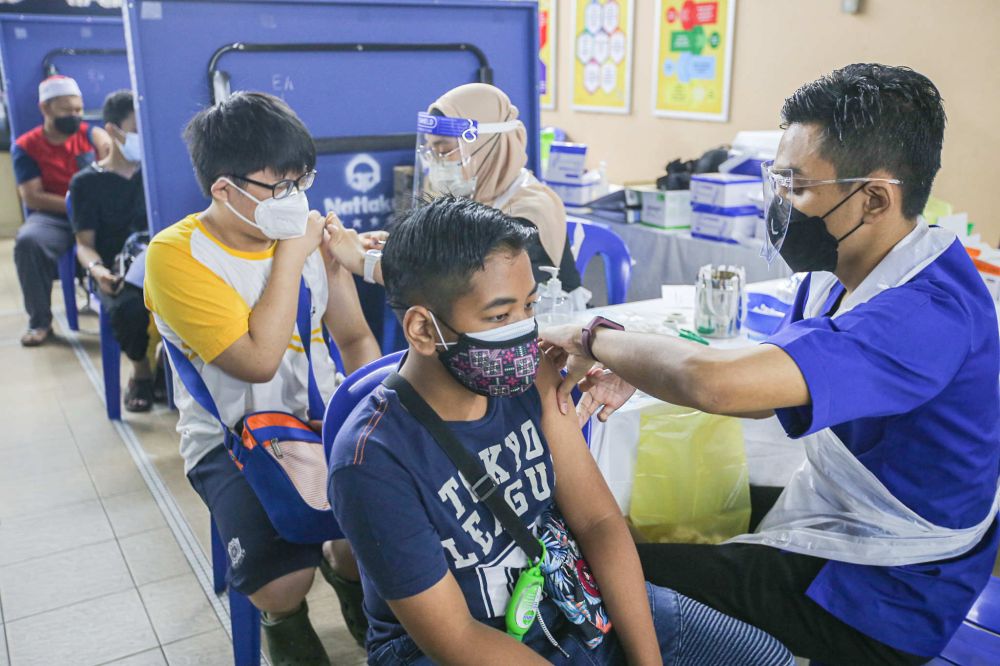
[139, 395]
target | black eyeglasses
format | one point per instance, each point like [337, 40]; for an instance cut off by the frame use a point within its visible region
[285, 187]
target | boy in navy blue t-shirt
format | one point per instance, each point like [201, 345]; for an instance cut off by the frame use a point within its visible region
[437, 568]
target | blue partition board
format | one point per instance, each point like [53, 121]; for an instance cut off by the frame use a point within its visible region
[336, 94]
[24, 42]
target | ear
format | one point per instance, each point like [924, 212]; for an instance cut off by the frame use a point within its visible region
[113, 130]
[418, 327]
[881, 197]
[220, 190]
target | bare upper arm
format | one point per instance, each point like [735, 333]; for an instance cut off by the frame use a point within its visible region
[582, 494]
[86, 238]
[30, 187]
[102, 142]
[434, 617]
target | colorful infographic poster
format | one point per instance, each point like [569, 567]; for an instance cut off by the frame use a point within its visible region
[694, 59]
[602, 62]
[547, 31]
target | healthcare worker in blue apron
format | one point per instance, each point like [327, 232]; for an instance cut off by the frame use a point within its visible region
[887, 368]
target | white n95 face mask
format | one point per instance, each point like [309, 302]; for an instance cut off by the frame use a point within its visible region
[448, 178]
[278, 219]
[132, 148]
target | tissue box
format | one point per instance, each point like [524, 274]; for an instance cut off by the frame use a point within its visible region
[723, 190]
[665, 209]
[730, 225]
[567, 163]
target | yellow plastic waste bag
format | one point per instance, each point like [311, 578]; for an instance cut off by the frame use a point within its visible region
[691, 480]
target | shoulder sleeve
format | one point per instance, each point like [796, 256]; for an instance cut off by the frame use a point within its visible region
[886, 357]
[85, 202]
[204, 311]
[380, 511]
[25, 166]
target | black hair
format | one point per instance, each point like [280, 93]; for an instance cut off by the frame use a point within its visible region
[876, 117]
[434, 250]
[247, 132]
[117, 107]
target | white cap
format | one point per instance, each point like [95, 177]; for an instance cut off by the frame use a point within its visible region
[57, 86]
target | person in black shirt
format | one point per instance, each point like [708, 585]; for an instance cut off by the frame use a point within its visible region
[108, 205]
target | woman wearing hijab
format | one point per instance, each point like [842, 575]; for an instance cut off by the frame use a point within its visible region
[500, 179]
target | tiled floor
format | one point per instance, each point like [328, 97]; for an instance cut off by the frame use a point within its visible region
[90, 569]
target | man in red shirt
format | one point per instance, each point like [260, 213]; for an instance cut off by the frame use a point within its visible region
[45, 159]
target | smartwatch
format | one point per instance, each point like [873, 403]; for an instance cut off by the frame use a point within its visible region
[372, 257]
[588, 333]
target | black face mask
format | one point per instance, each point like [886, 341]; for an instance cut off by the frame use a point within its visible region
[808, 245]
[68, 125]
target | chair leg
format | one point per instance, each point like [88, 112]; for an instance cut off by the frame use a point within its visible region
[220, 561]
[67, 277]
[111, 360]
[246, 630]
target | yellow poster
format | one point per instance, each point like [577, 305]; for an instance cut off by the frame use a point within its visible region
[602, 50]
[694, 59]
[547, 31]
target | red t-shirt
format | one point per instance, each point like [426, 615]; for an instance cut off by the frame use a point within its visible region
[34, 156]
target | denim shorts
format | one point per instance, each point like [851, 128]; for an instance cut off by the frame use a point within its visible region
[689, 633]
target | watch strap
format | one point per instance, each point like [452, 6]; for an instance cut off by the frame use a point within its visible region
[588, 334]
[372, 257]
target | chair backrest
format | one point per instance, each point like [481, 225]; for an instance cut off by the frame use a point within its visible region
[985, 612]
[598, 239]
[69, 206]
[358, 384]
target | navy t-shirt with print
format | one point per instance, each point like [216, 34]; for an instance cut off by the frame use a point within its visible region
[410, 516]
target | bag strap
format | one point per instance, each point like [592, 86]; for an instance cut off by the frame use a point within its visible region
[193, 381]
[196, 386]
[482, 486]
[303, 320]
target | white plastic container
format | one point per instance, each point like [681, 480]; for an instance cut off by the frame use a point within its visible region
[718, 225]
[723, 190]
[664, 209]
[567, 163]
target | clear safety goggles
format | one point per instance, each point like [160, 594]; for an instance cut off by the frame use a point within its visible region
[780, 187]
[445, 150]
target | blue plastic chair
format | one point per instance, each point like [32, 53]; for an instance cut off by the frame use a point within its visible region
[985, 613]
[110, 349]
[358, 384]
[391, 328]
[600, 240]
[67, 278]
[244, 618]
[970, 646]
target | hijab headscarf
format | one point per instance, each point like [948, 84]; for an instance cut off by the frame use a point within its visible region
[498, 161]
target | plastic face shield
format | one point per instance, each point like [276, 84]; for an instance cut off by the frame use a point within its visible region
[445, 148]
[780, 187]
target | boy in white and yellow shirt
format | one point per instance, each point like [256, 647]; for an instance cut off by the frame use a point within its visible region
[223, 287]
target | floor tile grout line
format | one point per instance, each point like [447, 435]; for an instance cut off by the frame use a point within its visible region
[3, 628]
[175, 520]
[111, 525]
[57, 552]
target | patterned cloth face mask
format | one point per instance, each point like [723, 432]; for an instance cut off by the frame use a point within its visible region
[500, 363]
